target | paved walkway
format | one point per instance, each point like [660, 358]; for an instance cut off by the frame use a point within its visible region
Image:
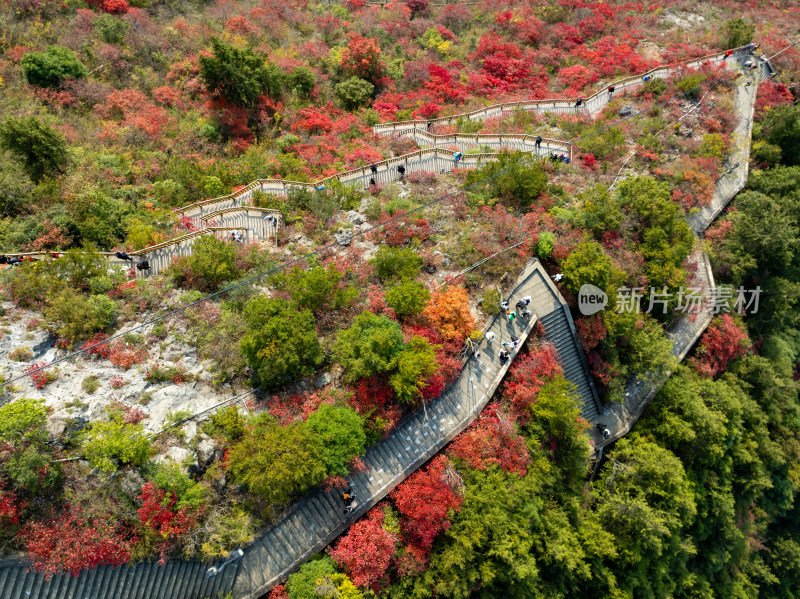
[317, 520]
[685, 331]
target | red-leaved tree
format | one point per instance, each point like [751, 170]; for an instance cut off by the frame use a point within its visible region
[424, 501]
[492, 439]
[366, 551]
[160, 514]
[723, 342]
[73, 542]
[362, 58]
[528, 375]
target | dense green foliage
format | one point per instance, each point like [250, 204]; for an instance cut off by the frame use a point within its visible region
[76, 317]
[781, 128]
[354, 92]
[408, 298]
[414, 365]
[109, 444]
[239, 75]
[277, 462]
[27, 461]
[369, 346]
[281, 342]
[514, 177]
[341, 431]
[212, 263]
[396, 264]
[50, 68]
[740, 32]
[317, 289]
[41, 148]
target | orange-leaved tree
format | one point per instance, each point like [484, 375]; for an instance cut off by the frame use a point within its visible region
[449, 312]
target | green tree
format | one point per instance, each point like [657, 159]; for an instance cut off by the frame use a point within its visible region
[341, 431]
[28, 459]
[514, 177]
[41, 148]
[317, 289]
[75, 317]
[765, 236]
[172, 478]
[666, 239]
[739, 32]
[408, 298]
[781, 127]
[645, 500]
[396, 264]
[50, 68]
[15, 186]
[23, 421]
[277, 462]
[302, 81]
[211, 263]
[414, 365]
[557, 423]
[354, 92]
[112, 30]
[602, 141]
[489, 545]
[98, 218]
[588, 263]
[281, 343]
[600, 212]
[239, 75]
[319, 578]
[108, 444]
[369, 346]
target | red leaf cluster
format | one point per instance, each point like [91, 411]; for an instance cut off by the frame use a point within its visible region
[362, 58]
[723, 342]
[366, 551]
[40, 378]
[591, 331]
[73, 542]
[492, 439]
[159, 514]
[527, 376]
[102, 350]
[424, 501]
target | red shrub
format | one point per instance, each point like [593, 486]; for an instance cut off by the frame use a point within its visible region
[576, 78]
[424, 501]
[40, 378]
[527, 376]
[362, 58]
[73, 542]
[312, 120]
[366, 551]
[102, 350]
[124, 356]
[278, 592]
[492, 439]
[771, 94]
[159, 514]
[10, 508]
[591, 331]
[723, 342]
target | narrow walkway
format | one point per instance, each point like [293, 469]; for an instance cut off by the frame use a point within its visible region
[686, 330]
[317, 520]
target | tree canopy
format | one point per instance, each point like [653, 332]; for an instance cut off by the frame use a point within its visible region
[239, 75]
[281, 342]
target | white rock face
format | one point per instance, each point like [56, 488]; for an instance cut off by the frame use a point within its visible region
[69, 400]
